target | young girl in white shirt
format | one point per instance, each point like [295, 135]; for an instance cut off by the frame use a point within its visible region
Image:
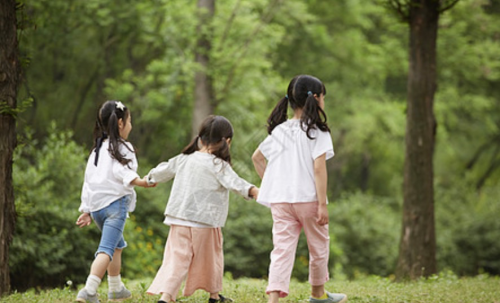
[292, 164]
[196, 211]
[107, 197]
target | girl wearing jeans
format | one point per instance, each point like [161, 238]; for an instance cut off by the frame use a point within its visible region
[107, 197]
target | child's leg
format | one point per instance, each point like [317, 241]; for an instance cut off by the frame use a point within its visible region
[286, 232]
[274, 297]
[115, 265]
[207, 268]
[176, 262]
[115, 284]
[318, 242]
[111, 235]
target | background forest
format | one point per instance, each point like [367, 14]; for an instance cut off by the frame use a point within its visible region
[77, 54]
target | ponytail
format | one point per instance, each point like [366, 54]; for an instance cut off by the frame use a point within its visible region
[107, 128]
[192, 147]
[301, 93]
[278, 115]
[214, 132]
[313, 116]
[115, 140]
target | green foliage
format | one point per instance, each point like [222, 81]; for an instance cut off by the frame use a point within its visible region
[468, 230]
[83, 52]
[247, 239]
[48, 177]
[367, 229]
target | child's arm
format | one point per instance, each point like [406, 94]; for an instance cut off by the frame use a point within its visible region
[321, 178]
[259, 162]
[230, 180]
[142, 182]
[164, 172]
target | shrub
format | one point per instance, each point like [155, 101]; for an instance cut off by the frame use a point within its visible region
[47, 244]
[468, 230]
[367, 230]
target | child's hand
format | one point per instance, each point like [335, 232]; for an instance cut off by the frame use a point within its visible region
[142, 182]
[84, 220]
[322, 214]
[254, 192]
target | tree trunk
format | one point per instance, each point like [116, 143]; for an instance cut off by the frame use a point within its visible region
[417, 250]
[9, 79]
[203, 92]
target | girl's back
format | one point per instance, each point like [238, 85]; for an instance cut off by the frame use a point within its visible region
[290, 169]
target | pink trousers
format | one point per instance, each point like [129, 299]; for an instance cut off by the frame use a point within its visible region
[195, 253]
[289, 219]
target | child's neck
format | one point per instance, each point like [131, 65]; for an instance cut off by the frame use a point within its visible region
[297, 113]
[204, 149]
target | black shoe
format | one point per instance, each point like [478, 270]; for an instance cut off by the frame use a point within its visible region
[161, 301]
[221, 299]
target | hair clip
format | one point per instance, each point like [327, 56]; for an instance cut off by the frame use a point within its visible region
[120, 105]
[309, 93]
[286, 96]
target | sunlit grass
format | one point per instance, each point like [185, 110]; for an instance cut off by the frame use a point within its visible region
[438, 289]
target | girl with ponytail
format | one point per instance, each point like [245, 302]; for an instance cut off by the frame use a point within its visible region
[196, 211]
[107, 196]
[292, 164]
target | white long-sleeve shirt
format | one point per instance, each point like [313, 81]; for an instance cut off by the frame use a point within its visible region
[200, 192]
[109, 180]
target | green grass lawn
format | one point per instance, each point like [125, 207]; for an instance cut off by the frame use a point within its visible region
[438, 289]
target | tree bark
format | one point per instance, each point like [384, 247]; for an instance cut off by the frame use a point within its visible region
[203, 92]
[9, 79]
[417, 250]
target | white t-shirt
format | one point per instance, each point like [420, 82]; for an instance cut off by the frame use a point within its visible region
[109, 180]
[290, 154]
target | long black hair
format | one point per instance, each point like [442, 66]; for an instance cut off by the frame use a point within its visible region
[300, 94]
[214, 131]
[106, 127]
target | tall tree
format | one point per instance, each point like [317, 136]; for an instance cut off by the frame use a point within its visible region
[9, 79]
[203, 91]
[417, 249]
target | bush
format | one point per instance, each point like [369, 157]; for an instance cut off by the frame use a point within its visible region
[367, 230]
[247, 238]
[468, 230]
[47, 244]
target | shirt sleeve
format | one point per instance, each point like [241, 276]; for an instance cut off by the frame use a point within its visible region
[270, 146]
[84, 206]
[228, 178]
[126, 172]
[164, 172]
[322, 144]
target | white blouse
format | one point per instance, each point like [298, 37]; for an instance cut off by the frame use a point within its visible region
[289, 175]
[200, 192]
[109, 180]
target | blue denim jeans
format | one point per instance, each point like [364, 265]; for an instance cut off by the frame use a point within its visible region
[111, 222]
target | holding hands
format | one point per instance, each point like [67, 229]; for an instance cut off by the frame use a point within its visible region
[142, 182]
[253, 192]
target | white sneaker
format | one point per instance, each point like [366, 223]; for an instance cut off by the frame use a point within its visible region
[332, 298]
[83, 296]
[121, 295]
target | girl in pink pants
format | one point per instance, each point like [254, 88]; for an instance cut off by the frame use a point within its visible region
[196, 211]
[292, 164]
